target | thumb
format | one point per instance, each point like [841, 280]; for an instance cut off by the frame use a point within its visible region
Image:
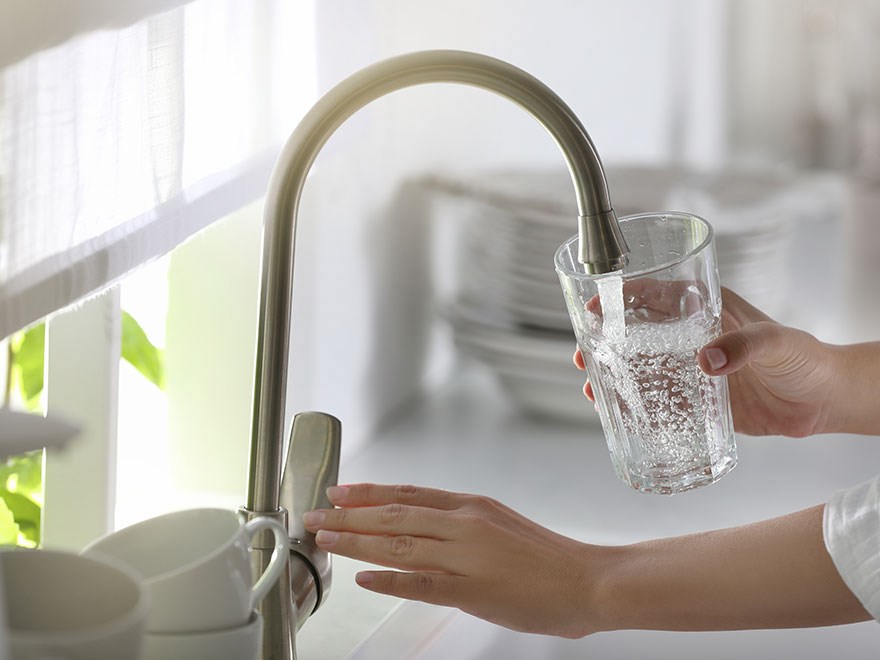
[733, 350]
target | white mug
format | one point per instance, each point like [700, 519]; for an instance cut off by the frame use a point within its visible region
[62, 605]
[196, 566]
[242, 643]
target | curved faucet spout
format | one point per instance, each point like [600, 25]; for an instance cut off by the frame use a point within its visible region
[602, 248]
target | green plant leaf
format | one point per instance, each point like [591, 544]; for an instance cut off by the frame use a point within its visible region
[28, 350]
[26, 514]
[139, 351]
[23, 474]
[21, 477]
[9, 530]
[21, 491]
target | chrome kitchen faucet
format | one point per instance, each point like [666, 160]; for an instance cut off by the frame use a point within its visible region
[313, 452]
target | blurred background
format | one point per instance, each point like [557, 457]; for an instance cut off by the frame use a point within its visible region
[136, 140]
[764, 117]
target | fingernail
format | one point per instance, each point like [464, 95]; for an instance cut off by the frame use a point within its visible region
[365, 578]
[337, 493]
[314, 518]
[716, 358]
[326, 538]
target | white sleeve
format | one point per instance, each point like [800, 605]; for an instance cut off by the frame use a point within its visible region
[851, 526]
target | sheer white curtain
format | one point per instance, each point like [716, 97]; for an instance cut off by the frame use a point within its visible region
[118, 144]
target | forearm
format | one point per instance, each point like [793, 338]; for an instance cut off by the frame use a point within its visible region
[855, 395]
[772, 574]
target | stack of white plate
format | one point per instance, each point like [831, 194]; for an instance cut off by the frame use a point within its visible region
[508, 310]
[532, 365]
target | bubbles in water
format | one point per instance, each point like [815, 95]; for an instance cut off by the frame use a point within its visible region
[664, 411]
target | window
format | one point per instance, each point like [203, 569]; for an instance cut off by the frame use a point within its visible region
[124, 131]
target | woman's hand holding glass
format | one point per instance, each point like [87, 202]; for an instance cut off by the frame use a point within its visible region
[784, 381]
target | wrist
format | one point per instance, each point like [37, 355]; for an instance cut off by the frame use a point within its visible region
[852, 398]
[611, 603]
[835, 407]
[648, 586]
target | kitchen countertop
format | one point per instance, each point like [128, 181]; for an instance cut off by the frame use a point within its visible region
[467, 437]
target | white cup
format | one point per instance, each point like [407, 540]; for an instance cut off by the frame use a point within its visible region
[62, 605]
[195, 564]
[242, 643]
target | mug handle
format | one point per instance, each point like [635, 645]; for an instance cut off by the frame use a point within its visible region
[280, 556]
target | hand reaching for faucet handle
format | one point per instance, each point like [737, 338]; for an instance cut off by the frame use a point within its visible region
[465, 551]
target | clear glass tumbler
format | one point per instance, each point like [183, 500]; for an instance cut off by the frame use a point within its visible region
[668, 425]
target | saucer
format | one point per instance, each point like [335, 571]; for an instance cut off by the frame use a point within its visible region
[242, 643]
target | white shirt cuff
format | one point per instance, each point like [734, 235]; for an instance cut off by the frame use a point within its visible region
[851, 527]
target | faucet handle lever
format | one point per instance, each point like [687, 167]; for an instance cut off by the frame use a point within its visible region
[312, 465]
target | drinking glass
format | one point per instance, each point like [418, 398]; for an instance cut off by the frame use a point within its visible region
[667, 424]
